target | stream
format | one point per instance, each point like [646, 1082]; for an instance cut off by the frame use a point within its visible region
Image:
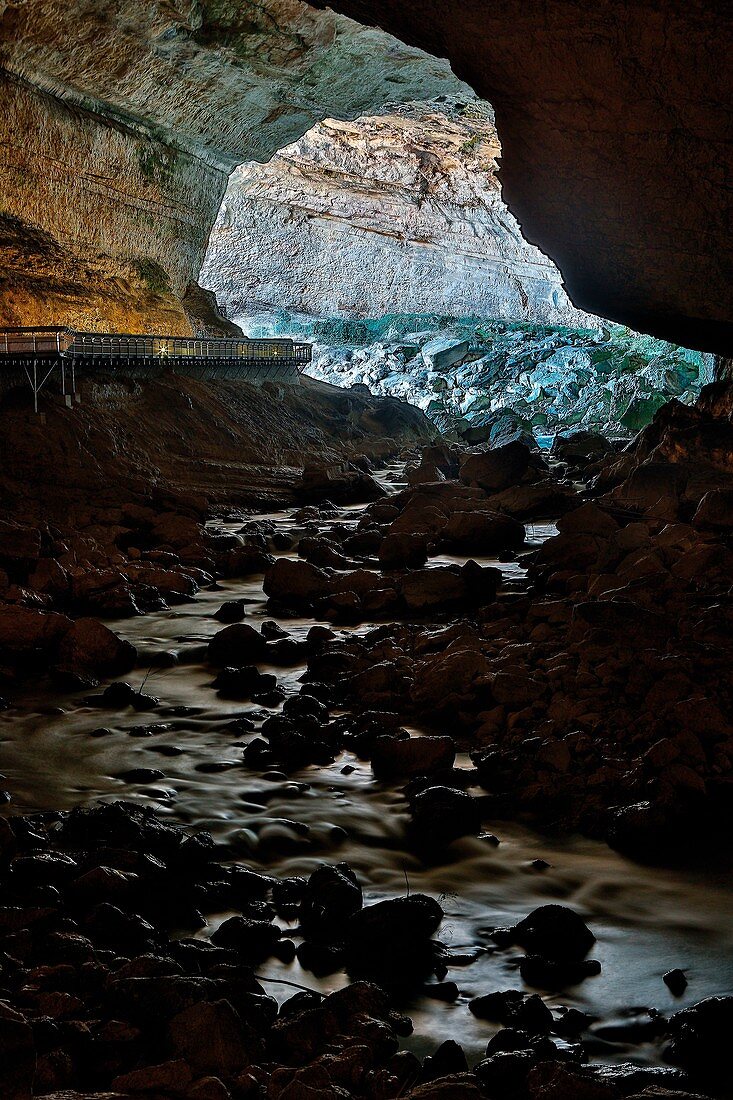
[59, 752]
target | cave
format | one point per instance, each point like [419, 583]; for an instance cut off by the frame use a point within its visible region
[366, 550]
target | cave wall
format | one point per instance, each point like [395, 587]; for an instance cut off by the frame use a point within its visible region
[614, 118]
[100, 226]
[123, 122]
[616, 124]
[399, 212]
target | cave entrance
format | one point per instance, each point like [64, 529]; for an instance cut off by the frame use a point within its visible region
[385, 241]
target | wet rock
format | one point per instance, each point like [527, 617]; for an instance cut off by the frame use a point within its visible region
[165, 1078]
[432, 589]
[90, 650]
[295, 583]
[715, 510]
[391, 940]
[27, 635]
[553, 974]
[231, 611]
[700, 1039]
[480, 532]
[675, 981]
[580, 447]
[554, 932]
[243, 683]
[457, 1086]
[394, 759]
[403, 550]
[236, 645]
[524, 1011]
[496, 469]
[332, 896]
[255, 940]
[442, 814]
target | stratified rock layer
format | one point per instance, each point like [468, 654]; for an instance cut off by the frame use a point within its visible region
[122, 125]
[395, 213]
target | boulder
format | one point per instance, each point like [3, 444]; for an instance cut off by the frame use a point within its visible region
[236, 645]
[295, 583]
[19, 543]
[26, 633]
[556, 933]
[90, 648]
[442, 814]
[496, 469]
[403, 549]
[212, 1038]
[444, 352]
[482, 532]
[430, 589]
[398, 759]
[715, 510]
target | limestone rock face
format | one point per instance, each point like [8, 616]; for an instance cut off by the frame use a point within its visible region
[400, 212]
[121, 123]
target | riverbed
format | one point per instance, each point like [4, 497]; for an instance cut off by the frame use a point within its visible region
[58, 751]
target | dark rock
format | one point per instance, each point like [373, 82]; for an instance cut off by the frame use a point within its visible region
[524, 1011]
[255, 940]
[332, 896]
[496, 469]
[392, 758]
[211, 1037]
[700, 1040]
[442, 814]
[553, 974]
[236, 645]
[231, 611]
[556, 933]
[675, 981]
[18, 1059]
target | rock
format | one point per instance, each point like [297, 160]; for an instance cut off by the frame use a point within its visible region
[91, 649]
[401, 550]
[442, 814]
[429, 589]
[19, 543]
[333, 895]
[26, 634]
[700, 1038]
[295, 583]
[236, 645]
[715, 510]
[211, 1037]
[553, 974]
[168, 1077]
[231, 611]
[243, 683]
[556, 933]
[496, 469]
[580, 447]
[255, 940]
[442, 352]
[457, 1086]
[391, 940]
[525, 1011]
[482, 532]
[393, 759]
[675, 981]
[18, 1061]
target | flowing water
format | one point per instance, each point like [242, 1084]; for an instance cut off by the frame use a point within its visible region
[58, 752]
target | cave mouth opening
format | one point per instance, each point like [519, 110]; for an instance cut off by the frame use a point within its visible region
[385, 241]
